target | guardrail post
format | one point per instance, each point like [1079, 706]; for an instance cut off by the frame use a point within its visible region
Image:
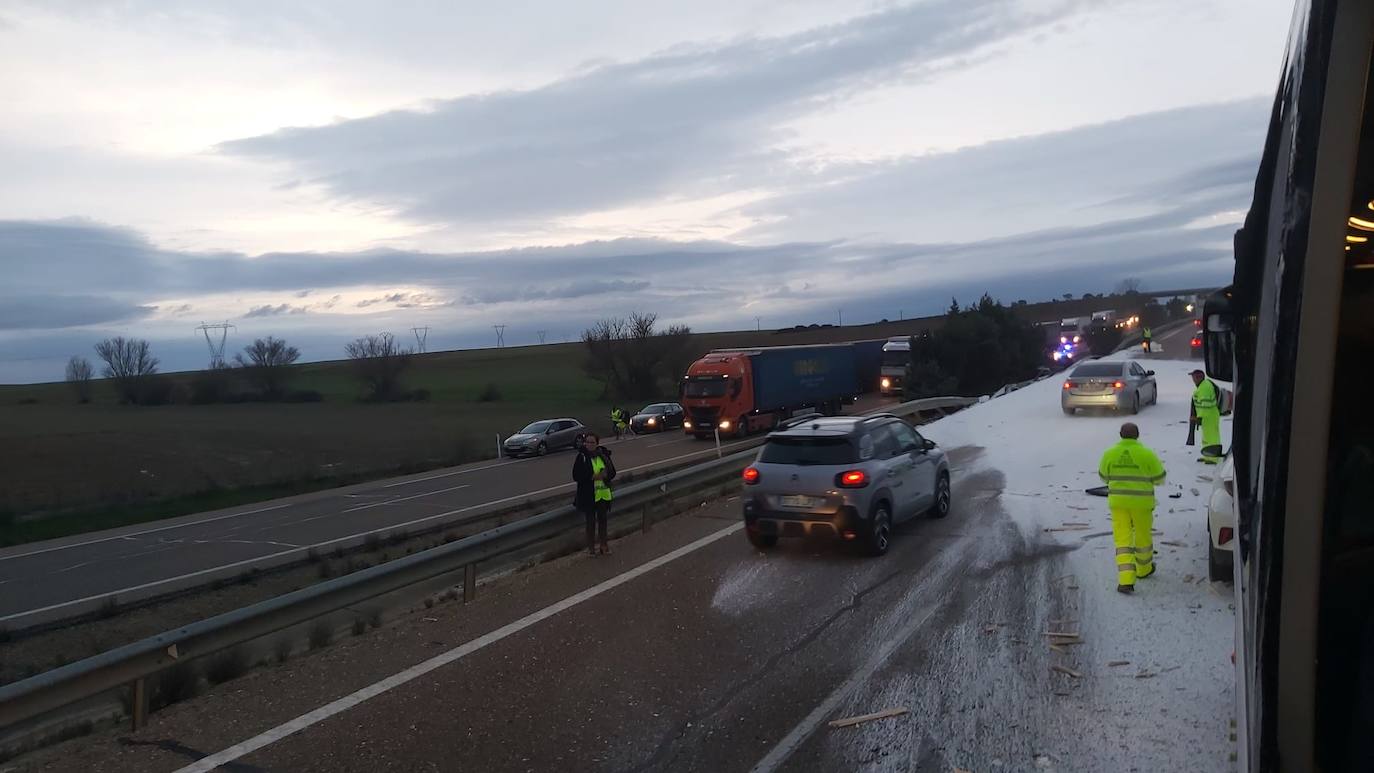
[644, 519]
[139, 703]
[469, 583]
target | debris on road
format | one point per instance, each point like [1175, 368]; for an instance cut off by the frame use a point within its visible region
[1146, 675]
[1066, 671]
[1176, 495]
[1115, 663]
[1174, 543]
[1057, 648]
[851, 721]
[1188, 578]
[1062, 635]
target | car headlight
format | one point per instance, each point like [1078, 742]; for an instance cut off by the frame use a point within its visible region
[686, 424]
[651, 422]
[725, 424]
[532, 441]
[887, 382]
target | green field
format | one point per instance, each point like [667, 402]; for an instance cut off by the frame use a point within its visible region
[104, 464]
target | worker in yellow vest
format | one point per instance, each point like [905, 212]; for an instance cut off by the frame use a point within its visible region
[1131, 472]
[1207, 414]
[593, 472]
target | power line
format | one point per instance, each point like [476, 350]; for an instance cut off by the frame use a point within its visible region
[500, 335]
[216, 347]
[421, 336]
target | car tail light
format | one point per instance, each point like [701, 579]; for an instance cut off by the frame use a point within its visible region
[1224, 535]
[852, 479]
[1069, 385]
[1118, 385]
[751, 475]
[1196, 342]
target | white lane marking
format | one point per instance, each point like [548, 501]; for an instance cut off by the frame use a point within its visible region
[803, 731]
[451, 474]
[131, 535]
[394, 501]
[371, 691]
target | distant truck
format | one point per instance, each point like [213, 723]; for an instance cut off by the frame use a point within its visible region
[739, 391]
[896, 357]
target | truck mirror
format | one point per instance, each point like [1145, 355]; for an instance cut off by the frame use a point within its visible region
[1218, 336]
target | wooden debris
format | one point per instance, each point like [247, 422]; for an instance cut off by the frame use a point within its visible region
[1189, 578]
[1174, 543]
[1062, 635]
[1084, 527]
[1170, 668]
[1073, 523]
[1115, 663]
[1146, 675]
[1066, 671]
[1063, 622]
[1073, 587]
[851, 721]
[1057, 648]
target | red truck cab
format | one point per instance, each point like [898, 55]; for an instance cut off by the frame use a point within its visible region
[718, 393]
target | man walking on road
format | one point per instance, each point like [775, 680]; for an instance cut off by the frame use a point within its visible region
[1131, 472]
[1145, 335]
[1207, 414]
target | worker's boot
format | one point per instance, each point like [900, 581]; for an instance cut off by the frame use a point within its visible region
[1125, 589]
[1139, 574]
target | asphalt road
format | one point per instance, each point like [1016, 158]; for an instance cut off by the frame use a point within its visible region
[145, 559]
[719, 658]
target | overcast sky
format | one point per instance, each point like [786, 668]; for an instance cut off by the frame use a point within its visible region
[318, 170]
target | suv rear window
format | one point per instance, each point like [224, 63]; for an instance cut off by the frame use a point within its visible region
[1095, 369]
[808, 451]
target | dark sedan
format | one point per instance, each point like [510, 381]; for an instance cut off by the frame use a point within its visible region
[657, 418]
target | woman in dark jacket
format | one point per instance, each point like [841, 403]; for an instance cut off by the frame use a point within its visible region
[593, 471]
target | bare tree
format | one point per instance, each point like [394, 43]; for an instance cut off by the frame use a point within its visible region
[1128, 286]
[378, 361]
[79, 373]
[129, 362]
[267, 363]
[631, 357]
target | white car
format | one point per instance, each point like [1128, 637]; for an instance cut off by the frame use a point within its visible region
[1221, 523]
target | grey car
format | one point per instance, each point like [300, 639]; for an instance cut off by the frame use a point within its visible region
[540, 437]
[851, 477]
[1122, 386]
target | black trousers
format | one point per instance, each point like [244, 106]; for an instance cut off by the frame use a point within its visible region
[596, 522]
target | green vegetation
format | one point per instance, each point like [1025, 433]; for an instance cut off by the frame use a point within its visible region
[979, 349]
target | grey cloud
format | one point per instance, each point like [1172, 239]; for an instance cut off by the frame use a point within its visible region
[303, 294]
[689, 121]
[580, 289]
[37, 312]
[268, 310]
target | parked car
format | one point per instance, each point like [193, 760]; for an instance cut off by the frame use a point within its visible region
[850, 477]
[1221, 523]
[657, 418]
[540, 437]
[1119, 385]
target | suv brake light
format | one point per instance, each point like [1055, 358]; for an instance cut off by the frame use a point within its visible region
[1118, 385]
[751, 475]
[852, 479]
[1069, 385]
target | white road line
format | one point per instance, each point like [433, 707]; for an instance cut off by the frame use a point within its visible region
[451, 474]
[402, 499]
[347, 702]
[146, 531]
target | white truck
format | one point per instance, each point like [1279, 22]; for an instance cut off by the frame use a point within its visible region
[896, 357]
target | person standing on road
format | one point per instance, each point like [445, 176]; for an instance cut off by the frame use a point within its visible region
[1207, 414]
[593, 471]
[618, 422]
[1145, 334]
[1131, 472]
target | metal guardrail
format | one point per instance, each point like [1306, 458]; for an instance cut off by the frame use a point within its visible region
[133, 663]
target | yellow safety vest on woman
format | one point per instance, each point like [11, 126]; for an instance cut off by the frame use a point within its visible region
[1131, 471]
[603, 491]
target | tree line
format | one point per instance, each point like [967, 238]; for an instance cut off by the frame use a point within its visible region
[264, 366]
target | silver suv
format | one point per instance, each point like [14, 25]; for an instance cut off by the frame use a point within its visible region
[851, 477]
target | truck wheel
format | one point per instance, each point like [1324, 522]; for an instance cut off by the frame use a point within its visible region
[761, 541]
[879, 536]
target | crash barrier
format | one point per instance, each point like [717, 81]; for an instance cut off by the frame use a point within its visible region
[133, 665]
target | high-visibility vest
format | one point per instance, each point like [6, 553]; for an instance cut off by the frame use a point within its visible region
[1205, 399]
[1131, 472]
[603, 491]
[1147, 332]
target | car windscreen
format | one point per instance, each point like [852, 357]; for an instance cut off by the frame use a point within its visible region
[1097, 370]
[896, 359]
[537, 428]
[705, 388]
[656, 408]
[808, 451]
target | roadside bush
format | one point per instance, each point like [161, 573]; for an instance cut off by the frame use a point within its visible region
[267, 363]
[976, 351]
[282, 649]
[211, 386]
[321, 634]
[359, 626]
[489, 394]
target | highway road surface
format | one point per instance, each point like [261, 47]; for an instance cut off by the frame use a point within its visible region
[688, 650]
[70, 573]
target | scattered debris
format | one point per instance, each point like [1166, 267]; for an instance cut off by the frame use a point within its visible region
[1073, 587]
[1146, 675]
[1076, 507]
[1084, 527]
[1170, 668]
[1066, 671]
[1073, 523]
[1207, 478]
[1063, 622]
[1176, 495]
[851, 721]
[1188, 578]
[1057, 648]
[1062, 635]
[989, 629]
[1115, 663]
[1195, 491]
[430, 619]
[1174, 543]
